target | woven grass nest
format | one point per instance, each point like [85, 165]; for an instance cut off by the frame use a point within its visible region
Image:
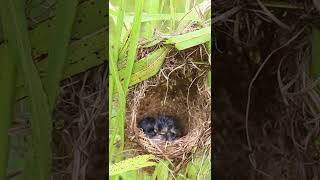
[180, 90]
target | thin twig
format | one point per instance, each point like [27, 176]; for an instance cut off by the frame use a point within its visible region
[226, 14]
[249, 95]
[274, 18]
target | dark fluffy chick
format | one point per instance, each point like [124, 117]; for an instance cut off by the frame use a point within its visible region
[168, 127]
[147, 124]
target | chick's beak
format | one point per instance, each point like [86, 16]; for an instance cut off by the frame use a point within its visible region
[164, 131]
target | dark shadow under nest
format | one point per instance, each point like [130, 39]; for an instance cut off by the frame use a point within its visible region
[80, 135]
[275, 136]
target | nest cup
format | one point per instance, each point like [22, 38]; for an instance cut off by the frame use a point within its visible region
[180, 90]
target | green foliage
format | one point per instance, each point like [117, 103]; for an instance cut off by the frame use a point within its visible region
[85, 51]
[16, 32]
[146, 67]
[114, 77]
[113, 58]
[200, 166]
[7, 102]
[133, 43]
[38, 158]
[66, 11]
[132, 164]
[162, 171]
[190, 39]
[152, 8]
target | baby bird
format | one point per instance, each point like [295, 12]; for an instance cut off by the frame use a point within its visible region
[159, 137]
[147, 124]
[168, 127]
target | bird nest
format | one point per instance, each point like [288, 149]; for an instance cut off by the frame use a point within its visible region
[180, 90]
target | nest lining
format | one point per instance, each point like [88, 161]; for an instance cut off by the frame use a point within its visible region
[183, 94]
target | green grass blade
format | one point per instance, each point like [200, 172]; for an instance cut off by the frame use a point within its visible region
[133, 40]
[66, 11]
[162, 17]
[173, 14]
[190, 39]
[122, 102]
[30, 164]
[16, 32]
[7, 102]
[113, 58]
[187, 6]
[161, 172]
[132, 164]
[119, 25]
[111, 140]
[152, 8]
[162, 5]
[197, 13]
[146, 67]
[115, 43]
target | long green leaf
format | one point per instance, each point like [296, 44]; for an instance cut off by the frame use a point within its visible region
[161, 172]
[132, 164]
[113, 56]
[197, 13]
[66, 11]
[146, 67]
[173, 15]
[152, 8]
[7, 102]
[122, 100]
[16, 32]
[133, 40]
[190, 39]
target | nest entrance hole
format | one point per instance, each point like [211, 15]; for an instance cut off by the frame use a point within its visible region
[169, 100]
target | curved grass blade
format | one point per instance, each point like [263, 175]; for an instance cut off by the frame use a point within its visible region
[66, 11]
[16, 32]
[198, 13]
[122, 103]
[145, 68]
[151, 43]
[113, 59]
[133, 43]
[161, 172]
[190, 39]
[115, 44]
[173, 15]
[7, 102]
[160, 17]
[132, 164]
[152, 8]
